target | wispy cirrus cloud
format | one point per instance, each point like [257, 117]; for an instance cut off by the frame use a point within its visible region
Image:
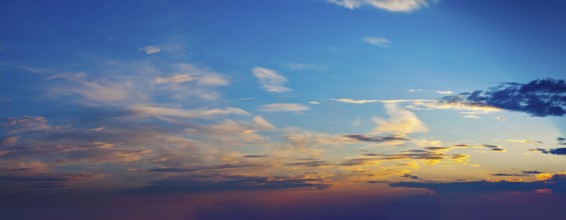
[270, 80]
[377, 41]
[151, 49]
[388, 5]
[284, 107]
[186, 113]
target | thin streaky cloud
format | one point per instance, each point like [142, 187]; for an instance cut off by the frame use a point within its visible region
[184, 113]
[151, 49]
[284, 107]
[270, 80]
[377, 41]
[387, 5]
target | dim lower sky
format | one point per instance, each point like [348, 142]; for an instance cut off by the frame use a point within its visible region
[295, 109]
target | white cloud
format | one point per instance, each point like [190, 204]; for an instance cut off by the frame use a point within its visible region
[444, 92]
[270, 80]
[401, 121]
[190, 73]
[284, 107]
[150, 49]
[388, 5]
[262, 123]
[183, 113]
[356, 101]
[377, 41]
[305, 66]
[93, 90]
[314, 103]
[365, 101]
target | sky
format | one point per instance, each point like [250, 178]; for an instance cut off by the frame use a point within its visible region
[295, 109]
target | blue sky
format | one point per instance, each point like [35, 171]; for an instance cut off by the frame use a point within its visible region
[270, 99]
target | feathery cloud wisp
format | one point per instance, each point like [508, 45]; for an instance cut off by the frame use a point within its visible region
[270, 80]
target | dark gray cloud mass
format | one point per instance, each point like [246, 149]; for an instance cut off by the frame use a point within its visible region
[377, 139]
[540, 98]
[556, 151]
[557, 184]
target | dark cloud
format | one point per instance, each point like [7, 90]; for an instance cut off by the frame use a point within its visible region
[255, 156]
[437, 148]
[557, 184]
[556, 151]
[411, 176]
[195, 169]
[412, 154]
[541, 97]
[489, 146]
[316, 163]
[523, 173]
[227, 183]
[377, 139]
[561, 141]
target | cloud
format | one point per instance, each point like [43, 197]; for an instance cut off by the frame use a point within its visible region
[376, 139]
[523, 173]
[377, 41]
[284, 107]
[488, 146]
[314, 103]
[561, 141]
[8, 141]
[215, 183]
[270, 80]
[401, 121]
[557, 183]
[356, 101]
[540, 98]
[444, 92]
[183, 113]
[190, 73]
[388, 5]
[93, 90]
[150, 49]
[304, 66]
[556, 151]
[315, 163]
[25, 123]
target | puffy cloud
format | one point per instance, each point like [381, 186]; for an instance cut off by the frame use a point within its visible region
[270, 80]
[401, 121]
[151, 49]
[540, 98]
[388, 5]
[183, 113]
[377, 41]
[284, 107]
